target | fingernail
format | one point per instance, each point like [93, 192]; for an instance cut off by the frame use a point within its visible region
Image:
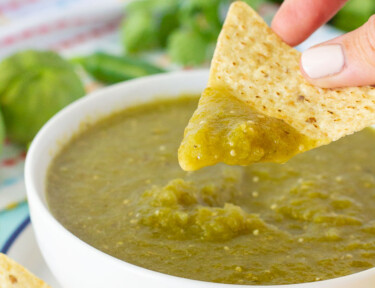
[323, 61]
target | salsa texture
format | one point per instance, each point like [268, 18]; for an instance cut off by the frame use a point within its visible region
[225, 129]
[118, 186]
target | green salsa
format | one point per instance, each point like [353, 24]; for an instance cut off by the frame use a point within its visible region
[225, 129]
[118, 186]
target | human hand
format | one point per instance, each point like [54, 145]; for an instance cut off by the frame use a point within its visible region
[348, 60]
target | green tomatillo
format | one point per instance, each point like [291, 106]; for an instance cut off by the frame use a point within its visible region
[34, 85]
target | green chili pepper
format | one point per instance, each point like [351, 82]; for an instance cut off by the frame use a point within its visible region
[111, 69]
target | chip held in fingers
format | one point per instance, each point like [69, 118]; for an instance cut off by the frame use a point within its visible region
[258, 107]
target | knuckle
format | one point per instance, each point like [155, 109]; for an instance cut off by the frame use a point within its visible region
[371, 20]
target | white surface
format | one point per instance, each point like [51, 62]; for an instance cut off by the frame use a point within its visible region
[78, 265]
[26, 252]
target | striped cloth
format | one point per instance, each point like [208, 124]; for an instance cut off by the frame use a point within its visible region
[71, 27]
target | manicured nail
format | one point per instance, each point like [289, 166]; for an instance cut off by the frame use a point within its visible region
[323, 61]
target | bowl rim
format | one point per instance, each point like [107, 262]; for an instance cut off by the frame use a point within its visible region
[34, 196]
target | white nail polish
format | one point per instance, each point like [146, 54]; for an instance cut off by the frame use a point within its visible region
[322, 61]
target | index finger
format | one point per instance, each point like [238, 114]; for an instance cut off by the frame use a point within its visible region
[298, 19]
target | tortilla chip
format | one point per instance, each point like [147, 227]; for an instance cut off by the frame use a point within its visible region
[254, 65]
[223, 129]
[13, 275]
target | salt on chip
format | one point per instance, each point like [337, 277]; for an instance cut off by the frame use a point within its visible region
[13, 275]
[255, 66]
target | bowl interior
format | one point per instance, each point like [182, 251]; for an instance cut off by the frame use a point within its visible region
[71, 120]
[62, 127]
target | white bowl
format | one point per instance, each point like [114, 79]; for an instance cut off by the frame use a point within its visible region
[79, 265]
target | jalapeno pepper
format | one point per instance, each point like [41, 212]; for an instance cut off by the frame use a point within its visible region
[111, 69]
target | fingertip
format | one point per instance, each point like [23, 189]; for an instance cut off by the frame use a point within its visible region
[282, 29]
[312, 81]
[284, 25]
[322, 65]
[298, 19]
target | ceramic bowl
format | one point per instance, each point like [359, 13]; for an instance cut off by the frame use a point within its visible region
[75, 263]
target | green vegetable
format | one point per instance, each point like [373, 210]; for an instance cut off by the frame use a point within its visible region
[34, 85]
[148, 23]
[203, 17]
[139, 32]
[155, 24]
[188, 47]
[112, 69]
[255, 4]
[354, 14]
[167, 23]
[2, 132]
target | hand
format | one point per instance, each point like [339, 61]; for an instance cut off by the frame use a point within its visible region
[348, 60]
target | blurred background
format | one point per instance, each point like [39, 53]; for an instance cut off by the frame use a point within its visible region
[53, 52]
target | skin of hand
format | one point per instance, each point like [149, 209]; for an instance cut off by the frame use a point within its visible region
[348, 60]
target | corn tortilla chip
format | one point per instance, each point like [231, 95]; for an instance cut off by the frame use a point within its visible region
[253, 65]
[13, 275]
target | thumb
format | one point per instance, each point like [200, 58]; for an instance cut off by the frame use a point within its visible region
[348, 60]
